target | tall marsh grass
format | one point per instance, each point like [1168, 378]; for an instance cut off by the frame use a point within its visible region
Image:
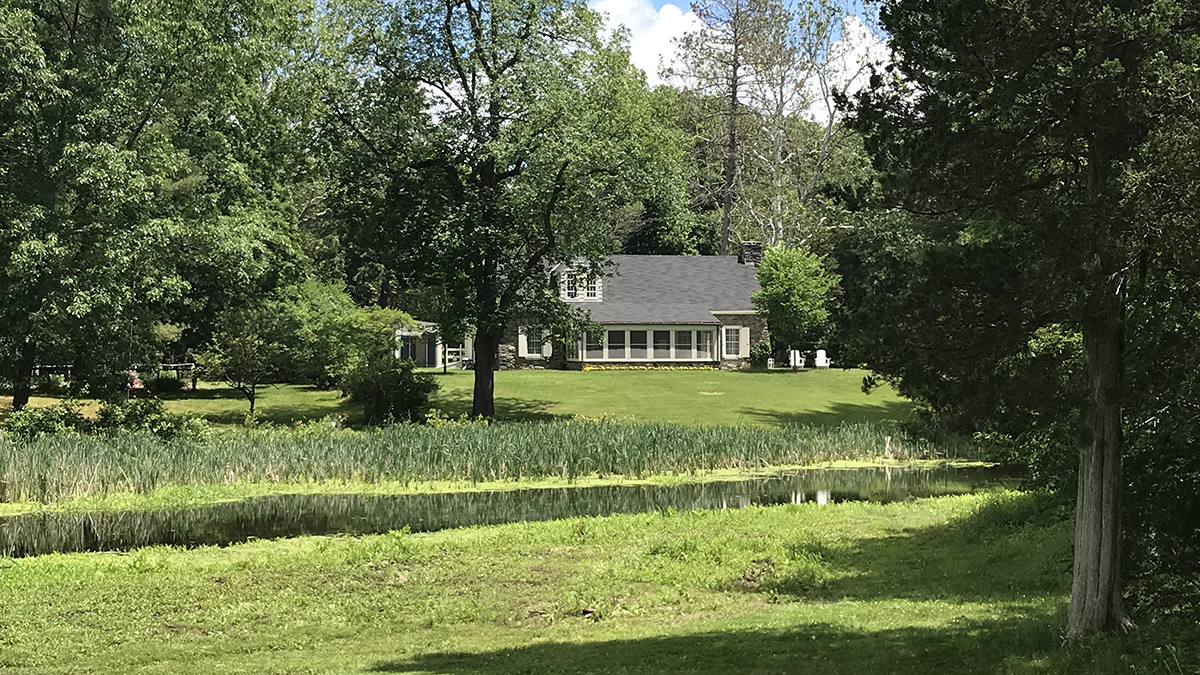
[56, 467]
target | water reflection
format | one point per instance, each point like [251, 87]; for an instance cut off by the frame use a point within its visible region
[298, 515]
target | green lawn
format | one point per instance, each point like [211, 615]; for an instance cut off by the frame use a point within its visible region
[974, 584]
[685, 397]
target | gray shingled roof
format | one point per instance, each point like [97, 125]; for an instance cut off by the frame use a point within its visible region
[672, 289]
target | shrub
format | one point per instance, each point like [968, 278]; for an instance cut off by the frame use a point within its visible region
[164, 384]
[51, 384]
[391, 392]
[759, 353]
[61, 418]
[144, 415]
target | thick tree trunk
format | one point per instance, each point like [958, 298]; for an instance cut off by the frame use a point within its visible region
[1096, 603]
[487, 354]
[23, 379]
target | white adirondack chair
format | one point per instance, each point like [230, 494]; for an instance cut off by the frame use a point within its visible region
[822, 360]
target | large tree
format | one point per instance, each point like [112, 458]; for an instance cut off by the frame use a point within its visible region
[489, 140]
[131, 167]
[1036, 123]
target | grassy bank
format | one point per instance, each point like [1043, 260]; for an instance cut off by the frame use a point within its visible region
[53, 468]
[971, 584]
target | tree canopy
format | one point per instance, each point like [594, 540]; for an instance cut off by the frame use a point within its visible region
[487, 141]
[1027, 138]
[135, 173]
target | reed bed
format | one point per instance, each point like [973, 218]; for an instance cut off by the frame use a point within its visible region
[58, 467]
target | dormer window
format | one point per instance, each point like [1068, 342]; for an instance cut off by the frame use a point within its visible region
[580, 287]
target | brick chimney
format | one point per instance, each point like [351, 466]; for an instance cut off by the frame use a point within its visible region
[751, 253]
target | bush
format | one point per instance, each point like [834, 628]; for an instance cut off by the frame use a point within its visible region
[140, 415]
[392, 392]
[164, 384]
[759, 353]
[147, 415]
[61, 418]
[51, 384]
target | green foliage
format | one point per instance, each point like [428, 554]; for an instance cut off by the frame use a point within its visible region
[61, 418]
[138, 180]
[391, 391]
[333, 337]
[760, 352]
[50, 384]
[145, 415]
[796, 290]
[164, 384]
[135, 415]
[445, 194]
[1059, 292]
[249, 348]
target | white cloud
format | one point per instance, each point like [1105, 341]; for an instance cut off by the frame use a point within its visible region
[850, 60]
[652, 33]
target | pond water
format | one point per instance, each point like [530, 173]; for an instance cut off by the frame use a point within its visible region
[299, 515]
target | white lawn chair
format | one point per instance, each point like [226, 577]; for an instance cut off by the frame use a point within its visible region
[822, 361]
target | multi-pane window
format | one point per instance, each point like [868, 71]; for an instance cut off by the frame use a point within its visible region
[533, 340]
[683, 344]
[733, 341]
[637, 344]
[578, 286]
[704, 344]
[662, 344]
[595, 347]
[616, 344]
[623, 344]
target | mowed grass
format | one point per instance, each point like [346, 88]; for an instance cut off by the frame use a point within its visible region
[700, 397]
[972, 584]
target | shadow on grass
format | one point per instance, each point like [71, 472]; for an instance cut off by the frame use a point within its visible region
[962, 647]
[1006, 554]
[1012, 548]
[288, 413]
[458, 402]
[890, 411]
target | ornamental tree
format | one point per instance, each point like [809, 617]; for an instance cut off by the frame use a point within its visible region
[794, 297]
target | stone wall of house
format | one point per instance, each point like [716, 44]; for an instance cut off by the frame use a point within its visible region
[758, 329]
[514, 360]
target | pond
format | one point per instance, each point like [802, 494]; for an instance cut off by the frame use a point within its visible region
[299, 515]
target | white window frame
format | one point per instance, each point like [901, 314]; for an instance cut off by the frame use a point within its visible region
[542, 343]
[578, 287]
[726, 343]
[694, 329]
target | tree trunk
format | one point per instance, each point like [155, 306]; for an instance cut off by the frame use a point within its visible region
[1096, 603]
[729, 183]
[487, 354]
[23, 381]
[252, 394]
